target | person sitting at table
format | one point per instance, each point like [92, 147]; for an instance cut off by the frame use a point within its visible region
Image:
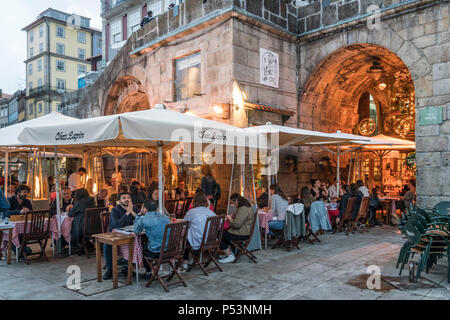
[82, 202]
[318, 191]
[4, 204]
[154, 196]
[306, 199]
[66, 201]
[240, 226]
[263, 200]
[210, 201]
[362, 188]
[121, 216]
[279, 204]
[332, 190]
[140, 188]
[410, 195]
[197, 217]
[136, 197]
[374, 205]
[102, 198]
[18, 203]
[181, 191]
[153, 223]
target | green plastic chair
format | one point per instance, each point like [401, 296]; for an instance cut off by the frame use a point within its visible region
[442, 207]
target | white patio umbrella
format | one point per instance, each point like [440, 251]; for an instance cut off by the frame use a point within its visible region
[9, 142]
[358, 142]
[151, 128]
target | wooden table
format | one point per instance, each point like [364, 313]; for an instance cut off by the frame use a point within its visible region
[114, 239]
[9, 228]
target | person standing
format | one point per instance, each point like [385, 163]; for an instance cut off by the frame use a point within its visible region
[116, 178]
[147, 18]
[75, 182]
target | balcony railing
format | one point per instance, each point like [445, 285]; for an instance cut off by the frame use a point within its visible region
[111, 4]
[46, 90]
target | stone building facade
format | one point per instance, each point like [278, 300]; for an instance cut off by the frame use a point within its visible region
[324, 51]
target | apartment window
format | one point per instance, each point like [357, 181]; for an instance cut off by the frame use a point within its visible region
[39, 83]
[155, 8]
[60, 32]
[31, 52]
[41, 31]
[60, 65]
[99, 43]
[30, 85]
[81, 69]
[39, 107]
[58, 107]
[39, 64]
[187, 77]
[60, 85]
[41, 47]
[81, 37]
[134, 20]
[60, 48]
[31, 36]
[116, 31]
[30, 108]
[81, 54]
[30, 69]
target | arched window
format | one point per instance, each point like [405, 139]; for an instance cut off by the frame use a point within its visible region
[368, 115]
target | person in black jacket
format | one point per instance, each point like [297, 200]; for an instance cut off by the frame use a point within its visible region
[66, 201]
[82, 202]
[19, 204]
[121, 215]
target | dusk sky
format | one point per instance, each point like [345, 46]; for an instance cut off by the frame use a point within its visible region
[15, 15]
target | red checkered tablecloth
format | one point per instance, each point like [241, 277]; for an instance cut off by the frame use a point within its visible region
[66, 228]
[137, 253]
[264, 218]
[19, 227]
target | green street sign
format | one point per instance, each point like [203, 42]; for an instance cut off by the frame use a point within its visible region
[430, 115]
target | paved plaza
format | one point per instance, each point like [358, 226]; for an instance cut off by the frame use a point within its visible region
[327, 270]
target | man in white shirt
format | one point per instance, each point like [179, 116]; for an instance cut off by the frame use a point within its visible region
[75, 180]
[332, 191]
[363, 188]
[117, 178]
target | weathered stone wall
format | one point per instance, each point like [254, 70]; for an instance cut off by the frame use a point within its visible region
[421, 40]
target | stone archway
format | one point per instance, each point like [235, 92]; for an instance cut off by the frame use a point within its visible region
[333, 89]
[126, 94]
[332, 92]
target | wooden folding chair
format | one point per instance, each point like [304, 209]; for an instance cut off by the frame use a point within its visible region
[175, 236]
[347, 217]
[242, 245]
[93, 224]
[362, 216]
[310, 234]
[212, 235]
[186, 204]
[171, 206]
[36, 230]
[105, 218]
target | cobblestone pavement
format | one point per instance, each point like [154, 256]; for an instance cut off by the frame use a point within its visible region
[320, 271]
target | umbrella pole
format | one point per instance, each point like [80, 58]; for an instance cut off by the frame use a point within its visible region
[116, 161]
[6, 173]
[338, 181]
[349, 169]
[58, 205]
[160, 178]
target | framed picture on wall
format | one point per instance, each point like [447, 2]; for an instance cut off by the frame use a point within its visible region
[269, 68]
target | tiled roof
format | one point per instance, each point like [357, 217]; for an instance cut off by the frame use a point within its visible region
[269, 108]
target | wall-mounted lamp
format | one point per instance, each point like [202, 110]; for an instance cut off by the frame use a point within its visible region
[220, 110]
